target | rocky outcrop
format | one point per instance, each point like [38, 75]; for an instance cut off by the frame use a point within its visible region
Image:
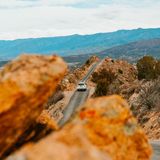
[25, 85]
[103, 130]
[125, 72]
[114, 77]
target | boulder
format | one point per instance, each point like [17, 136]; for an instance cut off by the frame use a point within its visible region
[25, 85]
[103, 130]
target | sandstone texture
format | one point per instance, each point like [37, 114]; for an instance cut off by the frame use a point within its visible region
[104, 129]
[25, 85]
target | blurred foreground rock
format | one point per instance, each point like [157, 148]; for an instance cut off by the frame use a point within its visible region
[25, 85]
[103, 130]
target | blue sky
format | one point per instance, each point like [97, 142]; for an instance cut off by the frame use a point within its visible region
[41, 18]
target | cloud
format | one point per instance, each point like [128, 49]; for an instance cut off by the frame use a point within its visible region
[74, 3]
[37, 3]
[40, 18]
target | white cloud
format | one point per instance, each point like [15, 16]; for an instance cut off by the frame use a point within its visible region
[22, 19]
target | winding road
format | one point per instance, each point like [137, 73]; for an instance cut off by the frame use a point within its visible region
[79, 97]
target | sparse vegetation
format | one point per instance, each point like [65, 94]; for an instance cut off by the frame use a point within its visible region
[148, 68]
[148, 98]
[150, 94]
[101, 88]
[103, 79]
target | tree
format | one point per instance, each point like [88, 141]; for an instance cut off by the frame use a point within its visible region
[103, 78]
[147, 68]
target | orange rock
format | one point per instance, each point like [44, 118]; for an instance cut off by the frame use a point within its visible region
[25, 85]
[111, 127]
[68, 144]
[104, 130]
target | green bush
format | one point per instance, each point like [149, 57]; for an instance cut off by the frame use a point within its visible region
[148, 68]
[101, 88]
[103, 79]
[107, 75]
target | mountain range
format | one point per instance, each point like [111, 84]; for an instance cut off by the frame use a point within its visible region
[76, 44]
[131, 51]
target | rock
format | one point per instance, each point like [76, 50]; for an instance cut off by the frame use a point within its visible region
[25, 85]
[111, 126]
[125, 74]
[103, 130]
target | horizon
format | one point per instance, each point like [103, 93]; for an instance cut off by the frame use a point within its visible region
[78, 34]
[21, 19]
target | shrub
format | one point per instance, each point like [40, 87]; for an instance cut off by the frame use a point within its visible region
[107, 75]
[148, 68]
[101, 88]
[149, 95]
[103, 78]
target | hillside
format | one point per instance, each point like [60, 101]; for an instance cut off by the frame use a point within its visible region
[134, 50]
[131, 51]
[75, 44]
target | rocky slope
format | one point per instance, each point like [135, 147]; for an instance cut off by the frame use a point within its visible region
[25, 85]
[130, 51]
[103, 130]
[133, 51]
[143, 96]
[120, 71]
[145, 105]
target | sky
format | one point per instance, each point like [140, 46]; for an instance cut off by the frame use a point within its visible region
[46, 18]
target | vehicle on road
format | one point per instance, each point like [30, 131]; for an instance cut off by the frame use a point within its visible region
[81, 86]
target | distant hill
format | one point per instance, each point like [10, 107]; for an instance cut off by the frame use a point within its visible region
[75, 44]
[131, 51]
[134, 50]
